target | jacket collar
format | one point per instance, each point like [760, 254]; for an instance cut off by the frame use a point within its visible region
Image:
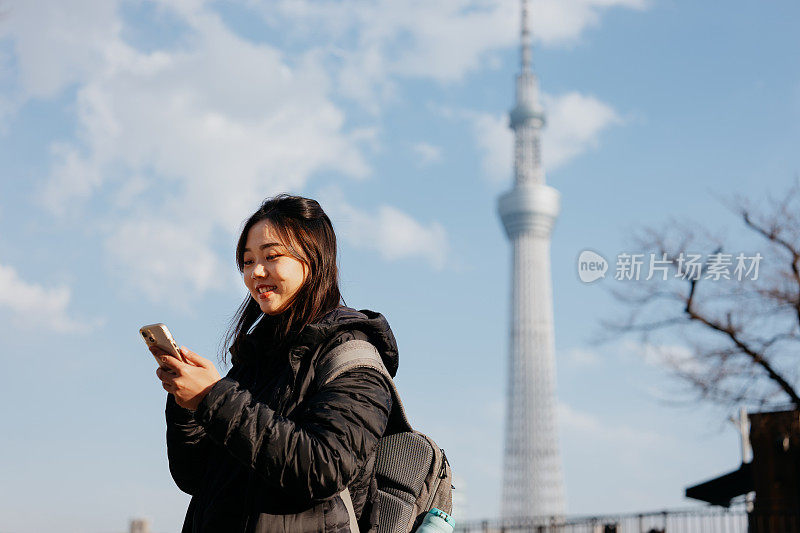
[373, 324]
[340, 319]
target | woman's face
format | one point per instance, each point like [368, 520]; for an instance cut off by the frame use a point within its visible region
[271, 273]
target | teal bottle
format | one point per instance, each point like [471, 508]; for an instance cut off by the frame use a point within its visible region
[437, 521]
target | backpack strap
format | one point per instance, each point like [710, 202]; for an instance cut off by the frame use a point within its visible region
[359, 354]
[348, 356]
[351, 512]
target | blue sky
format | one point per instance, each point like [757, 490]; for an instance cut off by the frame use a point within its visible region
[136, 137]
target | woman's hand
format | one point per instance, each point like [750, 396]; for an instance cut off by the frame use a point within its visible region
[187, 382]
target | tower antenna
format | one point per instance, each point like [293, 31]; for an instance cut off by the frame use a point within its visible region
[525, 39]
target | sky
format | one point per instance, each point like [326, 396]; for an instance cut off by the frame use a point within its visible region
[135, 138]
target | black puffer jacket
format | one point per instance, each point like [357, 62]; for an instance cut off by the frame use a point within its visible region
[267, 450]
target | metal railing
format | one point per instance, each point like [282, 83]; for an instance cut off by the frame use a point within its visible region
[711, 520]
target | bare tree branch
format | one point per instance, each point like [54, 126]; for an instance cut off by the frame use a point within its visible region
[756, 327]
[757, 358]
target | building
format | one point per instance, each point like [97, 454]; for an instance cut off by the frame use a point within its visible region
[533, 482]
[139, 525]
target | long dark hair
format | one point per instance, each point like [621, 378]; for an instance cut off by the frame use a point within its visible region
[308, 235]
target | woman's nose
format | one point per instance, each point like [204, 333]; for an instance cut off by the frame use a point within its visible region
[259, 271]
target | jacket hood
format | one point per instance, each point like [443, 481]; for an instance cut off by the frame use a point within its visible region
[371, 323]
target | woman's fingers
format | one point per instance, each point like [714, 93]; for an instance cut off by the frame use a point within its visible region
[189, 381]
[168, 363]
[155, 350]
[165, 374]
[193, 358]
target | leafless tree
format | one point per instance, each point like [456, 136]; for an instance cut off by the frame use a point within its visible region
[739, 331]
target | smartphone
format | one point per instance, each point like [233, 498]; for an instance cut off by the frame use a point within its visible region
[158, 335]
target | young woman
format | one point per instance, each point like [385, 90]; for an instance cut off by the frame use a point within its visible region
[264, 448]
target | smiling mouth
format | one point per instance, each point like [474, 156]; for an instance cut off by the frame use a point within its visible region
[263, 290]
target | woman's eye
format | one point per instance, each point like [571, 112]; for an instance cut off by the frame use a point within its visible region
[273, 257]
[247, 262]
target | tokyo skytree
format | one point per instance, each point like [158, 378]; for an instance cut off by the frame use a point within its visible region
[533, 483]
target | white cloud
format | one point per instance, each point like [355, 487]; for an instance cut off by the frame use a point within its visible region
[574, 125]
[575, 122]
[376, 42]
[38, 306]
[388, 230]
[559, 22]
[427, 153]
[554, 22]
[168, 260]
[200, 134]
[372, 44]
[180, 118]
[496, 146]
[184, 142]
[57, 43]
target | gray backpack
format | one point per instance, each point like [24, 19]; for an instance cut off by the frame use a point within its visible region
[411, 471]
